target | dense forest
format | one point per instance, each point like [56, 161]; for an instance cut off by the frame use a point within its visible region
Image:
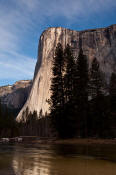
[32, 126]
[8, 125]
[82, 102]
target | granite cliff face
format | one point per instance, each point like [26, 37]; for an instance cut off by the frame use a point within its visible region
[15, 96]
[99, 43]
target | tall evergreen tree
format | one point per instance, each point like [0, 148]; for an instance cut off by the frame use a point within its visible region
[81, 93]
[69, 74]
[57, 90]
[97, 95]
[95, 83]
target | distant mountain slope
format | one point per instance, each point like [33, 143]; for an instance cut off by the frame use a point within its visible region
[15, 96]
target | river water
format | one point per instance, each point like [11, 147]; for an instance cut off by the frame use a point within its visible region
[46, 159]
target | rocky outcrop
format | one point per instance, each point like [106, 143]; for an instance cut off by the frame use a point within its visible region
[100, 43]
[15, 96]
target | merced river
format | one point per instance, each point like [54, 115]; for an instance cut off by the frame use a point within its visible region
[57, 159]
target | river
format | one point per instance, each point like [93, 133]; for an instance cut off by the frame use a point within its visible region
[57, 159]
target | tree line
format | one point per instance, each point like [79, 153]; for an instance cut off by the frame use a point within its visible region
[33, 124]
[80, 103]
[8, 124]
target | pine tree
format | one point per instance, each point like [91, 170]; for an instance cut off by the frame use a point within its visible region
[82, 76]
[81, 93]
[57, 90]
[69, 74]
[95, 84]
[97, 99]
[40, 113]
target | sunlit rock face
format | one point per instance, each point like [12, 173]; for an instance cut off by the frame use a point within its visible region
[99, 43]
[15, 96]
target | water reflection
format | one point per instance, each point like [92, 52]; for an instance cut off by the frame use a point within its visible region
[6, 160]
[34, 159]
[28, 161]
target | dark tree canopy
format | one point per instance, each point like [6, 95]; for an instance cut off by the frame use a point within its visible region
[96, 82]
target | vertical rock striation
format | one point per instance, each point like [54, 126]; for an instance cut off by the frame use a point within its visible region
[99, 43]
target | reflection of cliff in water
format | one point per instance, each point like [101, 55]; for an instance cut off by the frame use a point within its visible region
[44, 160]
[64, 160]
[32, 161]
[6, 160]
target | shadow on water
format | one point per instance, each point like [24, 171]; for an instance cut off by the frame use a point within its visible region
[59, 159]
[103, 152]
[6, 160]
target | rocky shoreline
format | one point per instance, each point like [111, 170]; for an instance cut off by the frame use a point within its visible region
[18, 139]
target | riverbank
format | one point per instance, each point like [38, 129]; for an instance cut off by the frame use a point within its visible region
[74, 141]
[87, 141]
[78, 141]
